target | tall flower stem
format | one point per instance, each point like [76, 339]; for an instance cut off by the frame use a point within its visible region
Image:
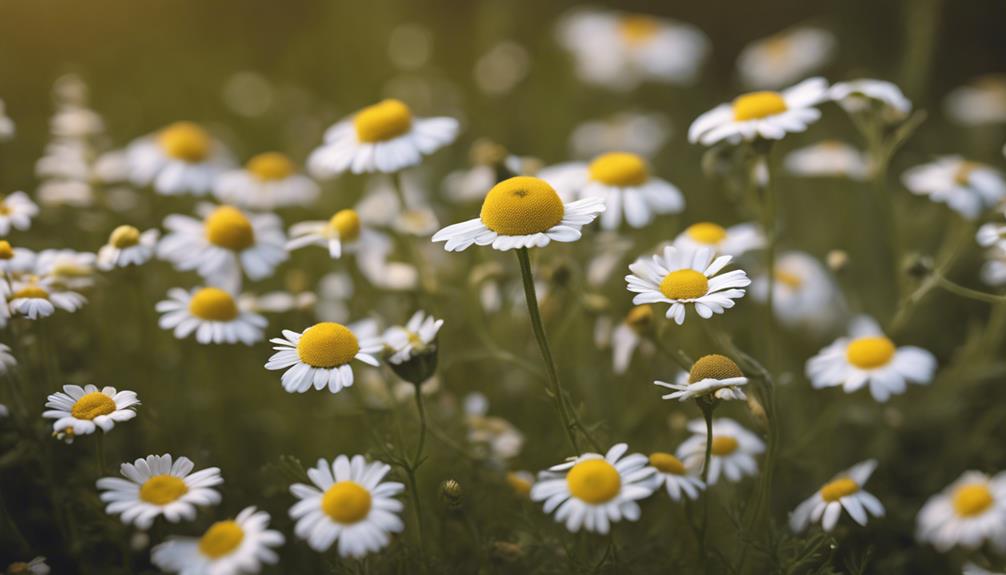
[707, 413]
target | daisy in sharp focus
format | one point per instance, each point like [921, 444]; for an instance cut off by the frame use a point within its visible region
[127, 246]
[623, 181]
[967, 187]
[733, 451]
[320, 356]
[968, 513]
[159, 485]
[733, 241]
[673, 476]
[682, 277]
[785, 57]
[828, 159]
[38, 298]
[16, 212]
[593, 491]
[868, 357]
[214, 315]
[844, 491]
[343, 232]
[384, 137]
[81, 410]
[768, 115]
[181, 158]
[805, 296]
[713, 375]
[349, 502]
[521, 212]
[268, 181]
[229, 547]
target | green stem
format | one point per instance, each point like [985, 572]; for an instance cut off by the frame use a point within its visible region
[421, 407]
[99, 451]
[967, 292]
[707, 413]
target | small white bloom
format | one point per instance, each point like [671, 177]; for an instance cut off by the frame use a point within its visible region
[967, 187]
[81, 410]
[785, 57]
[38, 299]
[36, 566]
[268, 181]
[182, 158]
[828, 159]
[733, 241]
[230, 547]
[127, 247]
[416, 335]
[714, 375]
[320, 356]
[733, 450]
[982, 101]
[968, 513]
[343, 232]
[643, 133]
[16, 212]
[805, 296]
[856, 95]
[844, 491]
[673, 476]
[214, 315]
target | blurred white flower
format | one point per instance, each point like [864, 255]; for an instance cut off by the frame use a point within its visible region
[856, 95]
[828, 159]
[969, 513]
[967, 187]
[805, 296]
[675, 477]
[7, 128]
[785, 57]
[268, 181]
[182, 158]
[844, 491]
[982, 101]
[127, 247]
[500, 439]
[16, 212]
[643, 133]
[733, 450]
[212, 314]
[733, 241]
[229, 547]
[499, 70]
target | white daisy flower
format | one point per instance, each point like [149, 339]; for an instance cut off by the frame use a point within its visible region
[768, 115]
[158, 485]
[968, 513]
[856, 95]
[594, 490]
[620, 50]
[868, 357]
[212, 314]
[711, 375]
[343, 232]
[623, 181]
[495, 438]
[267, 182]
[66, 268]
[127, 247]
[682, 277]
[320, 356]
[224, 243]
[733, 451]
[16, 212]
[36, 566]
[844, 491]
[348, 502]
[402, 342]
[828, 159]
[992, 234]
[40, 298]
[384, 137]
[521, 212]
[80, 410]
[7, 359]
[982, 101]
[673, 476]
[805, 296]
[733, 241]
[643, 133]
[181, 158]
[627, 336]
[785, 57]
[967, 187]
[229, 547]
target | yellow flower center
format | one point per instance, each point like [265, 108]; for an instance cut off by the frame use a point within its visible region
[6, 251]
[91, 405]
[594, 481]
[228, 228]
[346, 502]
[382, 121]
[163, 489]
[327, 345]
[32, 291]
[870, 352]
[684, 284]
[4, 208]
[972, 499]
[222, 538]
[706, 233]
[346, 224]
[270, 166]
[520, 206]
[667, 463]
[213, 304]
[724, 445]
[619, 169]
[788, 279]
[714, 366]
[838, 489]
[124, 237]
[640, 316]
[185, 141]
[962, 175]
[518, 483]
[637, 29]
[758, 105]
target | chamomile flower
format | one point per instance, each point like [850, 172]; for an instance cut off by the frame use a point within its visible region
[643, 133]
[343, 232]
[38, 298]
[349, 502]
[229, 547]
[181, 158]
[159, 485]
[521, 212]
[384, 137]
[967, 187]
[785, 57]
[804, 296]
[828, 159]
[214, 315]
[594, 490]
[858, 95]
[493, 437]
[628, 336]
[714, 375]
[403, 342]
[673, 476]
[82, 410]
[968, 513]
[733, 241]
[224, 243]
[844, 491]
[320, 356]
[682, 277]
[66, 268]
[36, 566]
[982, 101]
[868, 357]
[623, 181]
[992, 234]
[16, 212]
[733, 450]
[768, 115]
[127, 246]
[268, 181]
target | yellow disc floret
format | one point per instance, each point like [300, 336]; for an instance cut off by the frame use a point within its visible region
[870, 352]
[91, 405]
[327, 345]
[667, 463]
[229, 228]
[962, 175]
[6, 251]
[518, 483]
[346, 225]
[838, 489]
[637, 29]
[213, 304]
[714, 366]
[222, 538]
[788, 279]
[383, 121]
[185, 141]
[724, 445]
[124, 237]
[270, 166]
[706, 233]
[619, 169]
[972, 499]
[163, 489]
[684, 284]
[594, 481]
[31, 291]
[640, 317]
[346, 502]
[521, 206]
[758, 105]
